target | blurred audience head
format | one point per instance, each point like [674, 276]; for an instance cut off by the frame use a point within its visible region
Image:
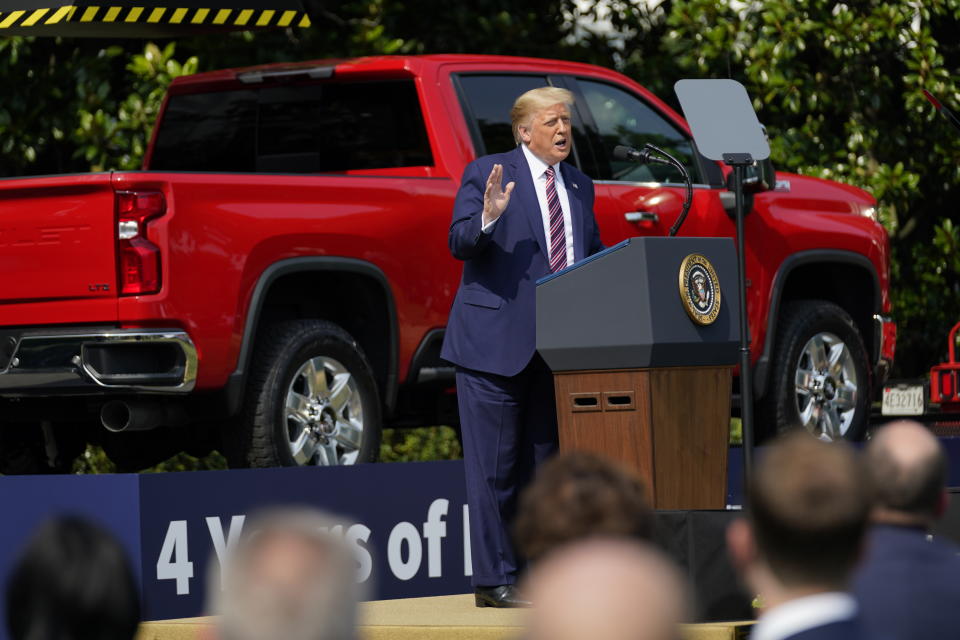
[807, 508]
[577, 495]
[606, 589]
[288, 578]
[908, 469]
[73, 581]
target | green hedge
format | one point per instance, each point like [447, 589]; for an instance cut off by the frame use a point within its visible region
[398, 445]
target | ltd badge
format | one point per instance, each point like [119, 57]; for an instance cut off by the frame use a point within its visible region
[699, 289]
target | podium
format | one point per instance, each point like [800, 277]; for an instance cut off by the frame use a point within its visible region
[642, 339]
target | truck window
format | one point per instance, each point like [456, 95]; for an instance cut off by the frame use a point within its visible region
[487, 100]
[330, 127]
[207, 132]
[622, 118]
[341, 126]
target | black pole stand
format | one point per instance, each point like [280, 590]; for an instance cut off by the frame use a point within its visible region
[739, 162]
[725, 128]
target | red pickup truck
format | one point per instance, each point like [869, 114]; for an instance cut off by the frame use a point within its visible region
[276, 281]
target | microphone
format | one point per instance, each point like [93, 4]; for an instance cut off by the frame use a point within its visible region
[644, 156]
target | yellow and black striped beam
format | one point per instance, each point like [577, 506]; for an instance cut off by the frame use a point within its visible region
[141, 20]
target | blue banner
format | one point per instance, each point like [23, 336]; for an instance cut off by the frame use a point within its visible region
[405, 523]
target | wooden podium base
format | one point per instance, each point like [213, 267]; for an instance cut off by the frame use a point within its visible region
[670, 425]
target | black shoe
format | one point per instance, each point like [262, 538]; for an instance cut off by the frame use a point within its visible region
[503, 596]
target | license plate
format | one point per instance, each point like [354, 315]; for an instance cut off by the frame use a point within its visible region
[902, 400]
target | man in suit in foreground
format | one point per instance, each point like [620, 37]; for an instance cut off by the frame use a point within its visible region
[289, 577]
[807, 508]
[909, 584]
[518, 216]
[633, 592]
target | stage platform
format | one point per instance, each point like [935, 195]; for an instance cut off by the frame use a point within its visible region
[437, 618]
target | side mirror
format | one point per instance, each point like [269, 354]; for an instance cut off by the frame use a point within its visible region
[759, 177]
[729, 200]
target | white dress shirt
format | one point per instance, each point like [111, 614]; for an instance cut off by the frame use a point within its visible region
[796, 616]
[538, 171]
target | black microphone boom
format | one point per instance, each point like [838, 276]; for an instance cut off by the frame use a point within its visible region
[644, 156]
[687, 183]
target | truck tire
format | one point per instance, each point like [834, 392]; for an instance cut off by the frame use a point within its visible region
[821, 376]
[311, 400]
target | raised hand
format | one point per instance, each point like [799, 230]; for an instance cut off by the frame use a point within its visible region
[495, 198]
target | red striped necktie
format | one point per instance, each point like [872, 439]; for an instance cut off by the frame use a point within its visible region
[558, 239]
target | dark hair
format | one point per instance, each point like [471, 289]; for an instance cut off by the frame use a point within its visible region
[808, 504]
[577, 495]
[911, 488]
[72, 582]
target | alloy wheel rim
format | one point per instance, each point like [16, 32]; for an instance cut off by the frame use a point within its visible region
[323, 414]
[826, 387]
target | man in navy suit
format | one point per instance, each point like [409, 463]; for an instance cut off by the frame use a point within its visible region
[909, 584]
[807, 508]
[509, 236]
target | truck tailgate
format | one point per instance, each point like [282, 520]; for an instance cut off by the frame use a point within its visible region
[57, 239]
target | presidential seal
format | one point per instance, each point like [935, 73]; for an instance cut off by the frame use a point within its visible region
[699, 289]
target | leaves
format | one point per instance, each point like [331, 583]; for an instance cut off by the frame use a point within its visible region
[839, 87]
[419, 444]
[82, 105]
[117, 138]
[398, 445]
[95, 460]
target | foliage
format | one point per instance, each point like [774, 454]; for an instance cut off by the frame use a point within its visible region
[114, 134]
[840, 88]
[80, 105]
[94, 460]
[377, 27]
[398, 445]
[415, 445]
[736, 431]
[46, 84]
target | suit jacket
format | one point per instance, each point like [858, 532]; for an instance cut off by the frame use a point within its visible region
[492, 324]
[909, 587]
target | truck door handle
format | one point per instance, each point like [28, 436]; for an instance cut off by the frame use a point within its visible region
[641, 216]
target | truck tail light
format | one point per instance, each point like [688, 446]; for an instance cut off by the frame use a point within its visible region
[138, 259]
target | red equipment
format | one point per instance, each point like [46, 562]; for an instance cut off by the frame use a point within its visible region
[945, 378]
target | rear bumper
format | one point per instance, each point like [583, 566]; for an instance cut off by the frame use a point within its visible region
[885, 346]
[96, 361]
